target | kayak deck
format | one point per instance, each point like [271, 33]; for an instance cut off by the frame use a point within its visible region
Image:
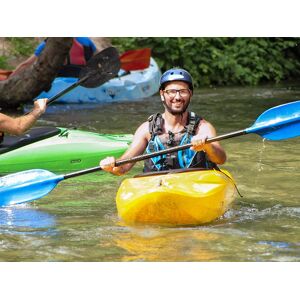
[67, 150]
[11, 142]
[186, 198]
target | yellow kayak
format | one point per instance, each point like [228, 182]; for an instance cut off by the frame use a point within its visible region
[190, 197]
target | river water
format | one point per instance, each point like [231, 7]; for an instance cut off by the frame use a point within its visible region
[77, 221]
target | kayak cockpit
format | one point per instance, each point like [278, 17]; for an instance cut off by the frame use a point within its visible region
[11, 142]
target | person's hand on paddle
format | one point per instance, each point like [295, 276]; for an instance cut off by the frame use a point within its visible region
[212, 150]
[108, 164]
[199, 143]
[19, 125]
[39, 107]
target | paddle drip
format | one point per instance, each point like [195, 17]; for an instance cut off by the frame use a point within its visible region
[260, 152]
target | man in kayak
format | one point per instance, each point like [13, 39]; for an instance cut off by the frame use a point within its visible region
[81, 51]
[176, 126]
[17, 126]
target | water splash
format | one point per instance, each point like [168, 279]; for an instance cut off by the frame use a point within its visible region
[261, 150]
[245, 214]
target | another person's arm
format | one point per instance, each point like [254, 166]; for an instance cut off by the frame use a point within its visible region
[19, 125]
[93, 46]
[214, 151]
[137, 147]
[24, 65]
[31, 60]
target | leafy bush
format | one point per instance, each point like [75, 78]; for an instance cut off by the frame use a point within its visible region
[3, 63]
[22, 46]
[224, 61]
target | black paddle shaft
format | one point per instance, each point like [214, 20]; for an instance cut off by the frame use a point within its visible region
[158, 153]
[68, 89]
[102, 67]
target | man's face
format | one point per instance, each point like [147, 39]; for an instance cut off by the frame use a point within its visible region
[176, 97]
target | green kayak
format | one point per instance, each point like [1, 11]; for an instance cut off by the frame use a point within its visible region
[59, 149]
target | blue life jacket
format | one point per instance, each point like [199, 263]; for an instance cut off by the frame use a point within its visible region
[182, 159]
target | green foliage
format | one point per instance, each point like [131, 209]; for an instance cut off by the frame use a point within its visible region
[22, 46]
[224, 61]
[3, 63]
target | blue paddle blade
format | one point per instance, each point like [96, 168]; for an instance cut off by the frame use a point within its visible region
[278, 123]
[27, 186]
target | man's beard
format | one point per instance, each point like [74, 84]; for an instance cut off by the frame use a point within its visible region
[176, 112]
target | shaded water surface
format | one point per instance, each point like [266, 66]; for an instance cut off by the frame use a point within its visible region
[78, 221]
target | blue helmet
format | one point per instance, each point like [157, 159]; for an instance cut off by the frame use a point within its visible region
[176, 74]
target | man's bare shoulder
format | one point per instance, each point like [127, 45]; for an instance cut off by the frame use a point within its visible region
[141, 136]
[206, 127]
[143, 128]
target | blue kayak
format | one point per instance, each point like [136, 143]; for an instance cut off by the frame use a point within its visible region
[127, 86]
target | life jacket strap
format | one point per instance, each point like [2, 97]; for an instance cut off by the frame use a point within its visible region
[155, 124]
[193, 122]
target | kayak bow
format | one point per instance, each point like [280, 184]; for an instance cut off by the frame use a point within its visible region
[192, 197]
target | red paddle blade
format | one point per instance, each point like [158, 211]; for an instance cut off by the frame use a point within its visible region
[138, 59]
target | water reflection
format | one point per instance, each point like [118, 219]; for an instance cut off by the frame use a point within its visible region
[24, 219]
[165, 244]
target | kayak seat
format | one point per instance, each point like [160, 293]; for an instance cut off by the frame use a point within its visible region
[35, 134]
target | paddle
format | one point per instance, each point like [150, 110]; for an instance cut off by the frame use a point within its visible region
[102, 67]
[278, 123]
[137, 59]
